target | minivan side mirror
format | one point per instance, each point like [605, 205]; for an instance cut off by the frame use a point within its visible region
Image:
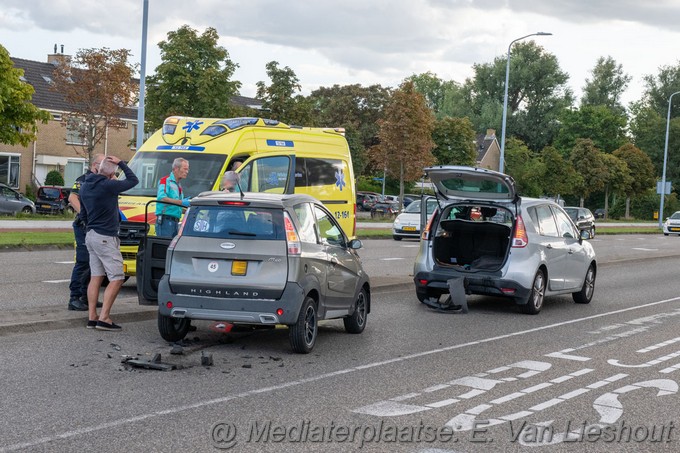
[355, 244]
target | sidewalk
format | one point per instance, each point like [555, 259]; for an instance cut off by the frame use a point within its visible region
[126, 310]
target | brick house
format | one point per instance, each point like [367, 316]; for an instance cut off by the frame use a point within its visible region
[56, 147]
[488, 150]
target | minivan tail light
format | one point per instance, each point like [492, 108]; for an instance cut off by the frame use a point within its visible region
[354, 226]
[292, 238]
[426, 232]
[520, 240]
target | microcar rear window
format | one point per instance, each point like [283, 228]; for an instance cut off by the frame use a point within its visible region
[234, 222]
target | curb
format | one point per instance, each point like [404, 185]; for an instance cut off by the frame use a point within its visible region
[125, 310]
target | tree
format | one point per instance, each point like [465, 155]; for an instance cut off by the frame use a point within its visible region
[641, 171]
[18, 117]
[439, 94]
[405, 135]
[525, 167]
[587, 161]
[659, 88]
[193, 79]
[605, 127]
[607, 85]
[617, 177]
[280, 98]
[355, 108]
[454, 140]
[559, 176]
[537, 95]
[98, 86]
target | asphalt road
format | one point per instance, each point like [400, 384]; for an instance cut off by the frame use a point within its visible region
[491, 380]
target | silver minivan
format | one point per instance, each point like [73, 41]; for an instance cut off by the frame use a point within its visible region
[485, 238]
[262, 259]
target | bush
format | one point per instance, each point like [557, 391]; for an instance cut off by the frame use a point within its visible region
[54, 178]
[30, 192]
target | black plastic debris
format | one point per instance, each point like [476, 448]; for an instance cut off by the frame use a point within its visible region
[153, 364]
[457, 300]
[206, 359]
[177, 350]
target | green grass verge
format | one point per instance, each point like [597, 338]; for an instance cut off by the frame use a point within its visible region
[18, 238]
[65, 238]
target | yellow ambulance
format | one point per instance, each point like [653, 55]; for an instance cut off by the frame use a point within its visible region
[276, 158]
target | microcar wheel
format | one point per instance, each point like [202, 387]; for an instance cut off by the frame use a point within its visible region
[357, 321]
[535, 302]
[173, 329]
[396, 238]
[586, 294]
[27, 210]
[303, 333]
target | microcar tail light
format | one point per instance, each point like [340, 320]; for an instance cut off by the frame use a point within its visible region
[520, 240]
[292, 237]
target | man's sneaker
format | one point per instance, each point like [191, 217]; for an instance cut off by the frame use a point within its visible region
[77, 305]
[101, 325]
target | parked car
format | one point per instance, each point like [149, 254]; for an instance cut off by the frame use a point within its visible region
[599, 213]
[262, 259]
[384, 209]
[520, 248]
[407, 224]
[52, 200]
[12, 202]
[672, 224]
[365, 201]
[583, 218]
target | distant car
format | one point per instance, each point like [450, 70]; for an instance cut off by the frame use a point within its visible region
[384, 209]
[365, 201]
[672, 224]
[599, 213]
[52, 200]
[582, 217]
[12, 202]
[262, 259]
[521, 248]
[407, 224]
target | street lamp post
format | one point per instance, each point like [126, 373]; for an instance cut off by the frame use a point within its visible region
[665, 159]
[501, 163]
[142, 77]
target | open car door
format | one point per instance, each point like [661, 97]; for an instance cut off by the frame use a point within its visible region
[150, 263]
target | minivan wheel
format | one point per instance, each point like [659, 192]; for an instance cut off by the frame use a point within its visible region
[535, 302]
[173, 329]
[357, 321]
[396, 238]
[303, 333]
[586, 294]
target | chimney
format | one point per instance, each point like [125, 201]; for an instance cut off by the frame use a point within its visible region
[57, 58]
[490, 134]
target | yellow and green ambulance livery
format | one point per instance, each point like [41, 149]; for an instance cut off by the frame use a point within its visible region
[276, 157]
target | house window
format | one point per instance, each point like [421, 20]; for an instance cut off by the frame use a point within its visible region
[10, 166]
[133, 136]
[75, 132]
[56, 116]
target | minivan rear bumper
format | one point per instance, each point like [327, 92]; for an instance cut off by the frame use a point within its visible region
[250, 311]
[433, 284]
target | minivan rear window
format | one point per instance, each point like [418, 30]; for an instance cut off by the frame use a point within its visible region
[234, 222]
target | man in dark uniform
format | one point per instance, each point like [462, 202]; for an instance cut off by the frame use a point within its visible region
[80, 276]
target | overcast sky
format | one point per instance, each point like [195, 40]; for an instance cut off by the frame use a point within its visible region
[327, 42]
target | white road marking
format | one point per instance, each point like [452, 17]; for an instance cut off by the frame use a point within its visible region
[644, 249]
[56, 281]
[659, 345]
[64, 262]
[390, 259]
[217, 401]
[410, 246]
